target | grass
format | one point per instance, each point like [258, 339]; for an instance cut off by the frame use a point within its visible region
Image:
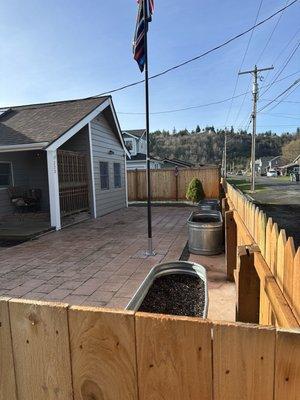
[245, 186]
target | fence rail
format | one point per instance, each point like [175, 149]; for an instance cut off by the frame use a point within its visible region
[277, 256]
[171, 184]
[60, 352]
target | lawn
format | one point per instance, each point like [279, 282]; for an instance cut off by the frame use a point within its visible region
[245, 185]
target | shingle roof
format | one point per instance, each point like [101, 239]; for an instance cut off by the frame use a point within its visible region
[45, 122]
[135, 132]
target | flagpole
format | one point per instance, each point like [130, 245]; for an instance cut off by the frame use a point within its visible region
[150, 251]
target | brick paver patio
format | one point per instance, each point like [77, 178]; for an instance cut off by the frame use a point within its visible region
[102, 262]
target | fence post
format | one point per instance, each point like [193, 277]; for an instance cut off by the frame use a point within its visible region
[136, 185]
[230, 244]
[248, 287]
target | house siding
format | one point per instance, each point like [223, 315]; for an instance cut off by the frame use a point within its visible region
[103, 140]
[29, 171]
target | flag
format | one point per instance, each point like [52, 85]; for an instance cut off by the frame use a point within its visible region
[140, 31]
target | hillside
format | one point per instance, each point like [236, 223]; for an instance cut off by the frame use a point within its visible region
[206, 146]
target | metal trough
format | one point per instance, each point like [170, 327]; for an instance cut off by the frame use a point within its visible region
[205, 231]
[170, 268]
[209, 204]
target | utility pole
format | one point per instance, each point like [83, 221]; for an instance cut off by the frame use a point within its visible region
[255, 90]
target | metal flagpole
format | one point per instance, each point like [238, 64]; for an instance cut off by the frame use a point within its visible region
[150, 251]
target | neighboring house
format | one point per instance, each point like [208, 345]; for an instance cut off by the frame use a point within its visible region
[72, 151]
[276, 163]
[136, 144]
[172, 163]
[262, 164]
[291, 167]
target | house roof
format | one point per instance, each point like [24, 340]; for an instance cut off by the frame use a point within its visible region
[135, 132]
[142, 157]
[180, 163]
[39, 123]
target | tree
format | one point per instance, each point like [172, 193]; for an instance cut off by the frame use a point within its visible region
[291, 150]
[198, 130]
[195, 191]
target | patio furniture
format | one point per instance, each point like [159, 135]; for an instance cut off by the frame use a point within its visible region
[25, 200]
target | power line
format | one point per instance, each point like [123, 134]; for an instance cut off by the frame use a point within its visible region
[242, 63]
[166, 71]
[283, 68]
[281, 94]
[267, 74]
[287, 95]
[200, 105]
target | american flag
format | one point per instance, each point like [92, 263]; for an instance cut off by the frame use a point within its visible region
[139, 36]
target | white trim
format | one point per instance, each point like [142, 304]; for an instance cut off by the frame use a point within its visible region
[53, 183]
[23, 147]
[118, 126]
[126, 183]
[133, 136]
[71, 132]
[92, 172]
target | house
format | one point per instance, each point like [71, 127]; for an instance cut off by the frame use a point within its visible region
[71, 151]
[136, 144]
[276, 163]
[262, 164]
[291, 167]
[172, 163]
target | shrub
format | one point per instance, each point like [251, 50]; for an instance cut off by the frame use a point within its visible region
[195, 191]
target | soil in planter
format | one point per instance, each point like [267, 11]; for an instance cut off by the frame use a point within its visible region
[205, 219]
[177, 294]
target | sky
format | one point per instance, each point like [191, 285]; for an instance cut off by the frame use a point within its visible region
[68, 49]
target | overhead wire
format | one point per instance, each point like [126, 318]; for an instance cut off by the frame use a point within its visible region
[223, 44]
[242, 63]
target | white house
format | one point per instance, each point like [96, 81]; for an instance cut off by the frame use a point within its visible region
[135, 142]
[71, 152]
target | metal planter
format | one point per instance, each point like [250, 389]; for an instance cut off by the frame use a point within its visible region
[205, 232]
[209, 204]
[170, 268]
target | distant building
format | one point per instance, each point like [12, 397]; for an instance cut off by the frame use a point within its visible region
[136, 144]
[170, 163]
[291, 167]
[262, 164]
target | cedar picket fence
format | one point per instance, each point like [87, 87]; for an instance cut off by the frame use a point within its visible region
[277, 261]
[168, 184]
[58, 352]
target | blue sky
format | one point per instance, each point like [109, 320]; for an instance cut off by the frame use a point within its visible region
[57, 50]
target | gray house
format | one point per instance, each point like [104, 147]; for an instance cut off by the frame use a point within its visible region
[71, 153]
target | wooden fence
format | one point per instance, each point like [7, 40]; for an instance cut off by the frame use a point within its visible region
[171, 184]
[58, 352]
[276, 260]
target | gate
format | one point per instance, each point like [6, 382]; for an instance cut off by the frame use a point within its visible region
[73, 182]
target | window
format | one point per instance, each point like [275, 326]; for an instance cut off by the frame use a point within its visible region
[5, 174]
[104, 175]
[117, 175]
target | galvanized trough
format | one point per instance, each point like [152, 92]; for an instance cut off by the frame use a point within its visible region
[209, 204]
[170, 268]
[205, 232]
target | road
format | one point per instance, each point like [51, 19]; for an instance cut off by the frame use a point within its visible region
[279, 198]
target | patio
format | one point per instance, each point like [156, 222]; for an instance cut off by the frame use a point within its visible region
[101, 262]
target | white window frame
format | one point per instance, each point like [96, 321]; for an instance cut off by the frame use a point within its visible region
[133, 151]
[11, 174]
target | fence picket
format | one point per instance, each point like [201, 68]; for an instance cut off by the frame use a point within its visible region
[7, 374]
[243, 362]
[174, 357]
[41, 350]
[273, 245]
[103, 354]
[296, 284]
[287, 368]
[288, 275]
[281, 242]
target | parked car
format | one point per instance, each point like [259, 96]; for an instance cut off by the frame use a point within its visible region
[239, 173]
[271, 173]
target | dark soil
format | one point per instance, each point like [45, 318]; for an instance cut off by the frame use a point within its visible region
[205, 218]
[177, 294]
[10, 243]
